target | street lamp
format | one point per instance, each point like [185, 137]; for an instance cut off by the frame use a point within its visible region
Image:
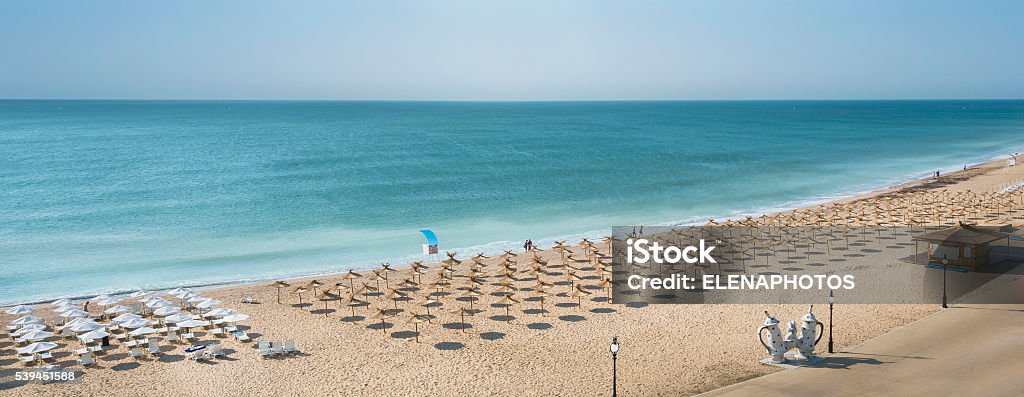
[831, 301]
[614, 349]
[945, 262]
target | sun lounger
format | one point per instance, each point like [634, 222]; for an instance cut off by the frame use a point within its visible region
[276, 348]
[26, 359]
[250, 300]
[241, 336]
[136, 352]
[46, 356]
[82, 351]
[289, 346]
[95, 349]
[231, 328]
[216, 350]
[154, 346]
[67, 333]
[264, 348]
[131, 343]
[86, 360]
[189, 336]
[217, 332]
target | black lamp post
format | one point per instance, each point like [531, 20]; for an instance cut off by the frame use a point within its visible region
[615, 350]
[831, 301]
[945, 262]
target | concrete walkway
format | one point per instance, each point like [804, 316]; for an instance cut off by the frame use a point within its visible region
[966, 350]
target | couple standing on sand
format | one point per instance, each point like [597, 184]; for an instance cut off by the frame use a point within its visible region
[528, 245]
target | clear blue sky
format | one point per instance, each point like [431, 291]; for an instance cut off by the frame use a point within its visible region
[494, 50]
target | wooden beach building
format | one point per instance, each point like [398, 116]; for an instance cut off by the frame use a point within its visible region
[965, 246]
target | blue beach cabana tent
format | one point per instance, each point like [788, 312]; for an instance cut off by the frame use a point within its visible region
[430, 248]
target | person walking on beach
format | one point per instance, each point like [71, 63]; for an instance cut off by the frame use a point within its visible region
[86, 307]
[526, 245]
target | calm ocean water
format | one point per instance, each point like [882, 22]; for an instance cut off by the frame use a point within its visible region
[101, 196]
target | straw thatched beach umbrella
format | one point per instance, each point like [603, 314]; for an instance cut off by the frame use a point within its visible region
[507, 301]
[415, 320]
[279, 284]
[461, 312]
[313, 285]
[351, 276]
[395, 295]
[381, 314]
[579, 293]
[327, 296]
[299, 291]
[353, 302]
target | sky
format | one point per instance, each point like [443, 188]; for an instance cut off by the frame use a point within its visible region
[511, 50]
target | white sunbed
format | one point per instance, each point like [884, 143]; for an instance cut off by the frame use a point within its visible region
[289, 346]
[241, 336]
[276, 349]
[264, 348]
[86, 359]
[217, 350]
[26, 359]
[136, 352]
[217, 332]
[154, 346]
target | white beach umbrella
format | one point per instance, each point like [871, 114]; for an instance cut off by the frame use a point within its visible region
[74, 313]
[27, 320]
[219, 312]
[28, 328]
[64, 308]
[125, 317]
[109, 301]
[135, 323]
[139, 294]
[177, 318]
[143, 331]
[84, 327]
[37, 347]
[61, 302]
[35, 335]
[197, 298]
[166, 311]
[234, 318]
[191, 323]
[207, 303]
[76, 320]
[186, 295]
[117, 309]
[158, 303]
[177, 291]
[149, 298]
[94, 334]
[20, 309]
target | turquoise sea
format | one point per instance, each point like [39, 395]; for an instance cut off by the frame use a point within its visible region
[106, 196]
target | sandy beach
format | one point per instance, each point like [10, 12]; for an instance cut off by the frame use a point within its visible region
[666, 350]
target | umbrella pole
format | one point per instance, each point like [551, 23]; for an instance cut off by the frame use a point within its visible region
[463, 314]
[416, 326]
[279, 295]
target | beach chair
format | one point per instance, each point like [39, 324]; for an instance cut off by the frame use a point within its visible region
[217, 332]
[136, 352]
[86, 359]
[82, 351]
[154, 346]
[231, 328]
[276, 348]
[249, 300]
[27, 360]
[264, 349]
[67, 333]
[189, 336]
[46, 356]
[216, 350]
[241, 336]
[289, 346]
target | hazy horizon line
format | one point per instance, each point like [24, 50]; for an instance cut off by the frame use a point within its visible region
[508, 100]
